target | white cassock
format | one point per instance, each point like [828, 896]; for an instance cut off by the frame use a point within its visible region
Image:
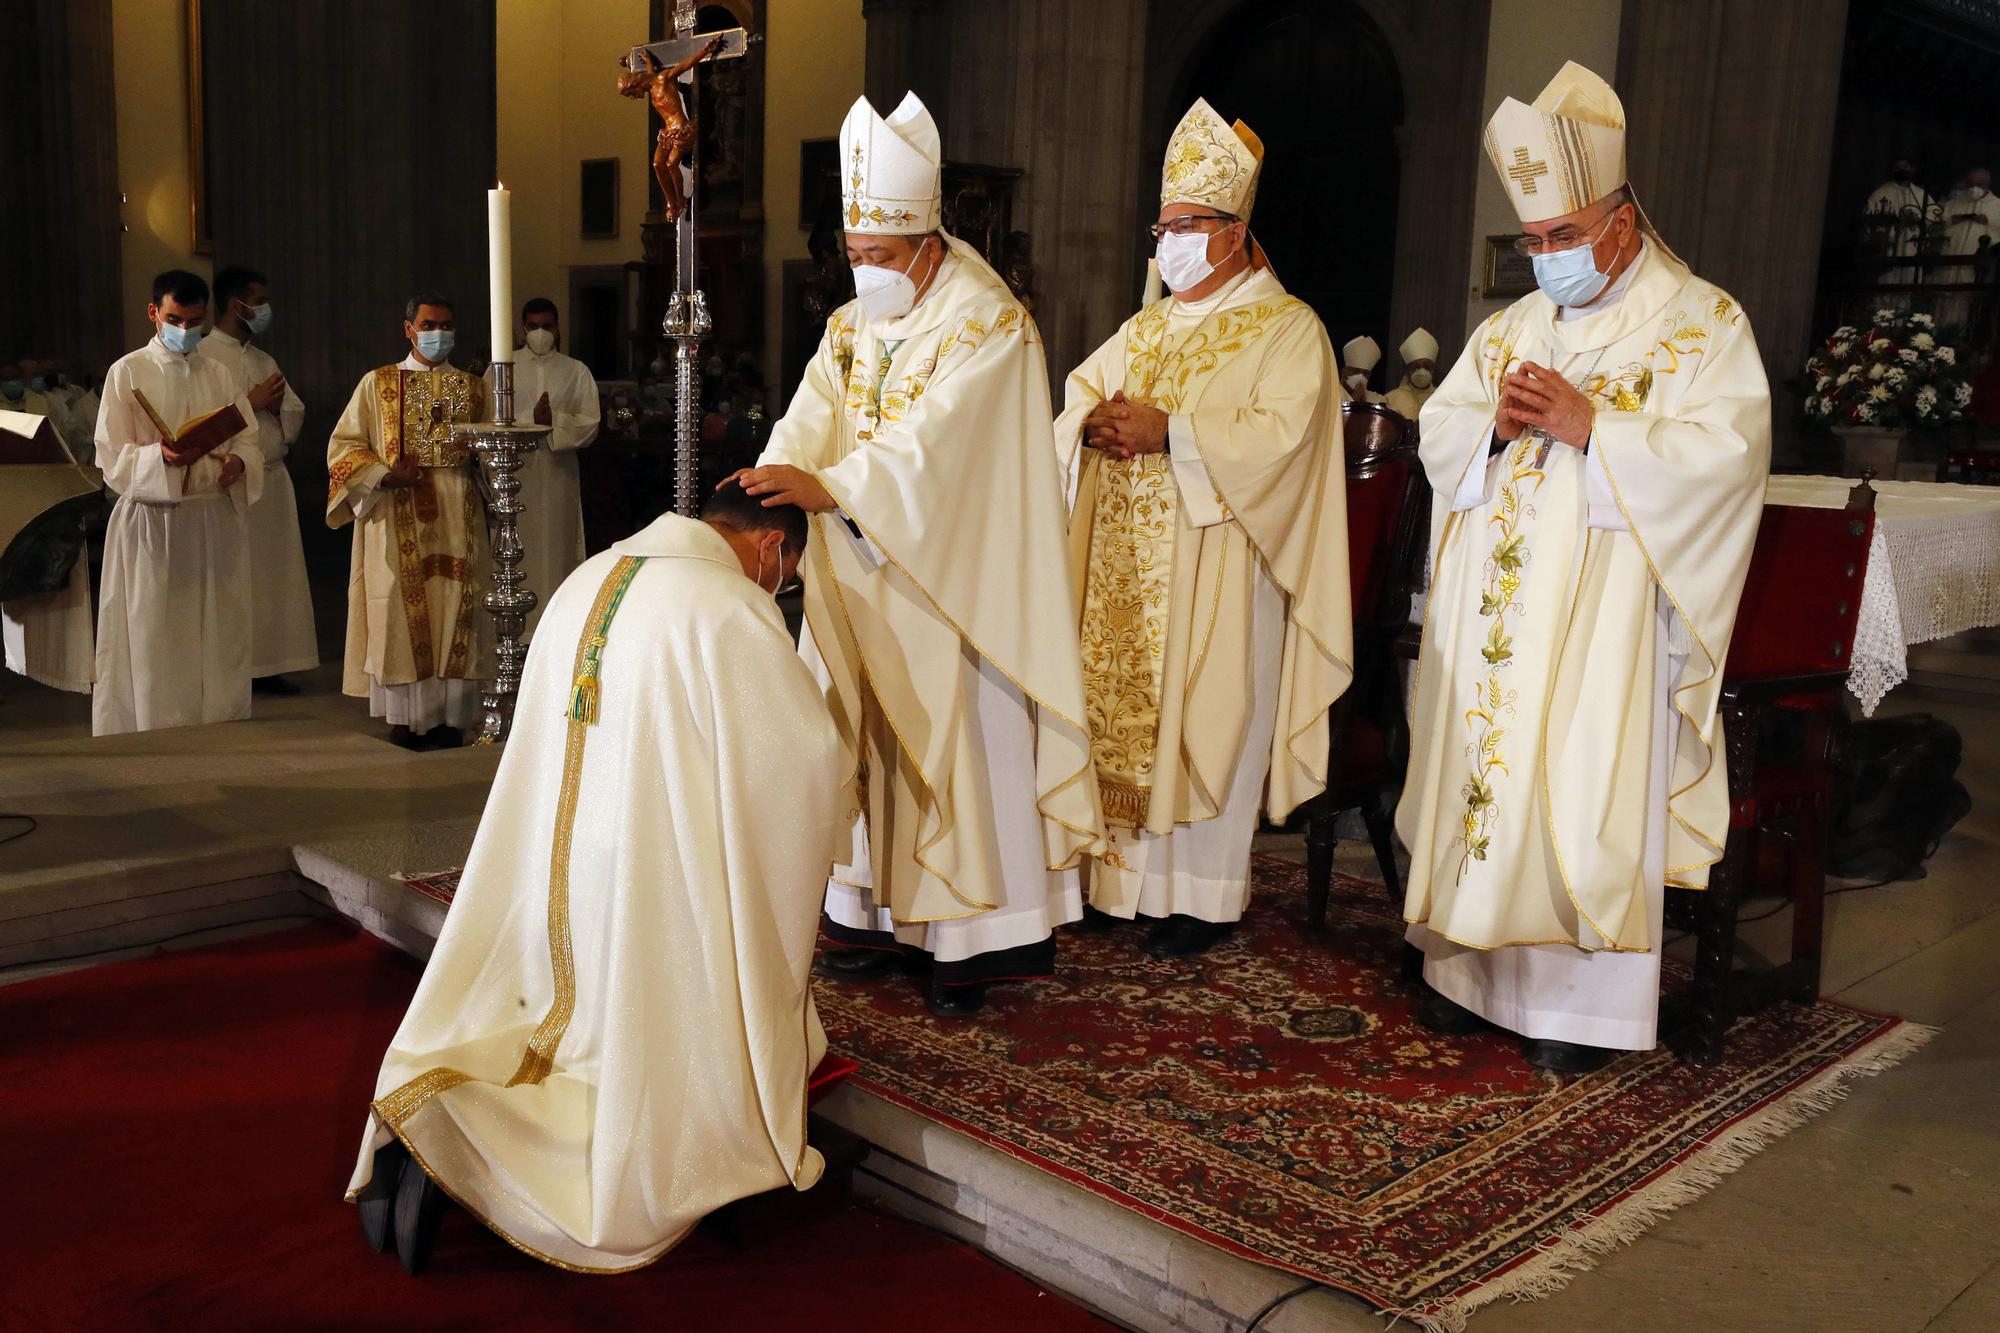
[1910, 206]
[282, 637]
[552, 501]
[1213, 583]
[939, 615]
[1565, 757]
[615, 1032]
[1969, 219]
[173, 617]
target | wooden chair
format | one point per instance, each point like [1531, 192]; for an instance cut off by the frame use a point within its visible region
[1386, 494]
[1782, 717]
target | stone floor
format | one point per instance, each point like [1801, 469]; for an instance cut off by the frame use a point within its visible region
[1879, 1215]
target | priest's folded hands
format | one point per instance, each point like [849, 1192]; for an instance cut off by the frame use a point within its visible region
[1536, 396]
[1124, 429]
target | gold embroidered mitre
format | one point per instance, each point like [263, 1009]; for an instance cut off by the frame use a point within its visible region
[889, 183]
[1565, 152]
[1212, 162]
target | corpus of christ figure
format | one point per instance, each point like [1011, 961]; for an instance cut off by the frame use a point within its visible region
[660, 84]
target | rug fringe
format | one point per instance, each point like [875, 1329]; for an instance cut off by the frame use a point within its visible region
[1578, 1249]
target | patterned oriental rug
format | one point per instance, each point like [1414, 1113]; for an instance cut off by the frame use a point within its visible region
[1277, 1098]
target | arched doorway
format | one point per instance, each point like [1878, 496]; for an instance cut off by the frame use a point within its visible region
[1317, 81]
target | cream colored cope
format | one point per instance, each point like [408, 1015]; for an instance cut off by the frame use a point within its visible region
[1407, 399]
[282, 635]
[173, 619]
[551, 494]
[938, 614]
[1566, 748]
[419, 559]
[615, 1033]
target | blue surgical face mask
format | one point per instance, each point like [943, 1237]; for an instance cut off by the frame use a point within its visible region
[40, 384]
[12, 388]
[177, 339]
[436, 344]
[1571, 277]
[257, 318]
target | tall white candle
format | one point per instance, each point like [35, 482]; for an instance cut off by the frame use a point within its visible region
[500, 280]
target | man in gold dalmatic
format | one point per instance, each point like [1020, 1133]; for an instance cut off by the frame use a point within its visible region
[1598, 456]
[938, 609]
[419, 558]
[1208, 542]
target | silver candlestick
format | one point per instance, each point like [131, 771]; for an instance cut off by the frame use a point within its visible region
[502, 446]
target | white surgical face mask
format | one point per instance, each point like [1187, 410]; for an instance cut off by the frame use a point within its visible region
[886, 293]
[541, 341]
[1571, 277]
[1184, 260]
[779, 573]
[1420, 379]
[1357, 381]
[436, 344]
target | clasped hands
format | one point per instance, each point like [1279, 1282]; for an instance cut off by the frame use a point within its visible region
[1535, 397]
[1120, 428]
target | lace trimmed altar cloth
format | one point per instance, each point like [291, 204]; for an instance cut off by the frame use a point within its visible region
[1933, 569]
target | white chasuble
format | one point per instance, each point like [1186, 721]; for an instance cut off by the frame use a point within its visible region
[419, 559]
[614, 1035]
[282, 636]
[173, 615]
[551, 496]
[1213, 585]
[1566, 756]
[939, 613]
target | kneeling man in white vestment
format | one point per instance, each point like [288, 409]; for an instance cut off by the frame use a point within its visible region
[615, 1033]
[1598, 457]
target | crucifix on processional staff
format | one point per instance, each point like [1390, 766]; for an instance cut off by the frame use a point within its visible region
[664, 74]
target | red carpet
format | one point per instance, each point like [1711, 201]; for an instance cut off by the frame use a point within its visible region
[1277, 1098]
[180, 1129]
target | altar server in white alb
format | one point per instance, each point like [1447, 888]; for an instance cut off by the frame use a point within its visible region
[1419, 353]
[282, 637]
[938, 604]
[173, 619]
[557, 391]
[1598, 455]
[1209, 545]
[615, 1034]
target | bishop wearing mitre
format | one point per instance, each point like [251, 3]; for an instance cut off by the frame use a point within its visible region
[938, 607]
[1209, 547]
[1598, 456]
[616, 1032]
[1358, 359]
[1419, 353]
[419, 556]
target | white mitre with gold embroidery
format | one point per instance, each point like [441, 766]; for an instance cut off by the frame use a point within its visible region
[1211, 162]
[889, 182]
[1565, 152]
[1419, 346]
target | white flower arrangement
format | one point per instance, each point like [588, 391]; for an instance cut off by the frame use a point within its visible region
[1891, 374]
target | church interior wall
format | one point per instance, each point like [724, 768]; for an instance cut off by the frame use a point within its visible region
[1520, 58]
[149, 55]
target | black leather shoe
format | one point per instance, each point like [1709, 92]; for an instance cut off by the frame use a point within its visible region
[419, 1207]
[856, 964]
[1185, 936]
[1095, 922]
[377, 1201]
[400, 735]
[956, 1001]
[1566, 1057]
[276, 686]
[1448, 1018]
[441, 738]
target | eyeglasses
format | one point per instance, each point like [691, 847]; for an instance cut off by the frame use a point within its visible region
[1189, 223]
[1566, 239]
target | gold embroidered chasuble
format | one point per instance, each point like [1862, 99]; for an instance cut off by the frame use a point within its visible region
[929, 431]
[1166, 605]
[419, 555]
[1526, 804]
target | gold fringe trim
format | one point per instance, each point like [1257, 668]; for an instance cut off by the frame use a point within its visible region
[1578, 1249]
[1124, 802]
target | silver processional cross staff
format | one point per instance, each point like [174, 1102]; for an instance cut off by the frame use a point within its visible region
[663, 73]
